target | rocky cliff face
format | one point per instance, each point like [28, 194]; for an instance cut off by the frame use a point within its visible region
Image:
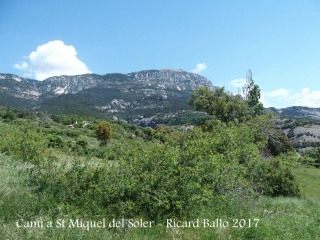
[172, 79]
[54, 86]
[137, 96]
[16, 86]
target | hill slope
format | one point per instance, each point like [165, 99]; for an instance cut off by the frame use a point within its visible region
[137, 97]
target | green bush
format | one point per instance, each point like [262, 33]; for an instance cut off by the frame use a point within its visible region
[278, 143]
[168, 181]
[312, 156]
[271, 178]
[22, 142]
[82, 141]
[169, 177]
[148, 133]
[55, 141]
[162, 133]
[9, 116]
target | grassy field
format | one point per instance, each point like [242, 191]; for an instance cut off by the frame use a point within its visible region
[309, 180]
[280, 218]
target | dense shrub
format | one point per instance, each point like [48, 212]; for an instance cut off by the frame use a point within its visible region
[22, 142]
[82, 141]
[55, 141]
[162, 133]
[148, 133]
[168, 176]
[168, 181]
[9, 115]
[312, 156]
[271, 178]
[278, 143]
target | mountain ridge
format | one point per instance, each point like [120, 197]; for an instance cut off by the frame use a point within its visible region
[297, 112]
[137, 96]
[57, 85]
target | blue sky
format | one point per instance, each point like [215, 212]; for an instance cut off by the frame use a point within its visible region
[278, 40]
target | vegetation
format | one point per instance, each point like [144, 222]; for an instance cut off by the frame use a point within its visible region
[252, 95]
[228, 107]
[279, 143]
[104, 132]
[236, 165]
[220, 104]
[308, 178]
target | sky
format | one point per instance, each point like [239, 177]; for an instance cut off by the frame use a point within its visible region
[279, 40]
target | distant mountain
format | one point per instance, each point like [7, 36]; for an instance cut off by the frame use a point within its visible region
[301, 125]
[142, 97]
[298, 112]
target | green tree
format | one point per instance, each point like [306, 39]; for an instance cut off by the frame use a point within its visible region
[220, 104]
[278, 143]
[290, 133]
[252, 95]
[104, 132]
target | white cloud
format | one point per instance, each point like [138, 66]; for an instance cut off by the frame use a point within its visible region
[281, 92]
[52, 59]
[237, 83]
[284, 98]
[21, 66]
[264, 101]
[307, 97]
[200, 67]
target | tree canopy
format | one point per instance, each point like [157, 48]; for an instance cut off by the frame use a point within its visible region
[226, 106]
[220, 104]
[104, 132]
[252, 95]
